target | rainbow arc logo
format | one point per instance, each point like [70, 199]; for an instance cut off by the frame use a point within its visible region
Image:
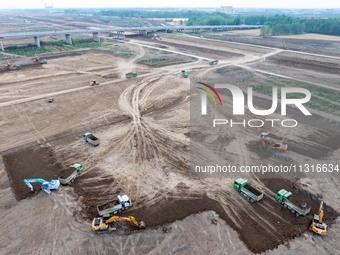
[211, 91]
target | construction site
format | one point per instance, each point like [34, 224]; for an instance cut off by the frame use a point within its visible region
[111, 124]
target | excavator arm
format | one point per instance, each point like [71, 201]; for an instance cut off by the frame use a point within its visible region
[321, 212]
[318, 226]
[45, 185]
[29, 181]
[130, 219]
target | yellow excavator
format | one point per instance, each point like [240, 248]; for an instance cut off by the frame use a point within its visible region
[100, 225]
[265, 139]
[318, 226]
[10, 66]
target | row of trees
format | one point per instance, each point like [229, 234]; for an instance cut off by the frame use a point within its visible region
[214, 19]
[273, 24]
[281, 25]
[283, 29]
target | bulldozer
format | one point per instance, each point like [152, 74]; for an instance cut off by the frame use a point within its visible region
[318, 226]
[266, 140]
[100, 224]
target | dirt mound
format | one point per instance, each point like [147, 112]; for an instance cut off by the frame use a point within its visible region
[66, 173]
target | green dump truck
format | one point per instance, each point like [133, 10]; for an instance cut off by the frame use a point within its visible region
[213, 62]
[131, 75]
[91, 139]
[185, 74]
[282, 197]
[71, 174]
[248, 191]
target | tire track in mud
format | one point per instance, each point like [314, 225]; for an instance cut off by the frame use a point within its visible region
[148, 138]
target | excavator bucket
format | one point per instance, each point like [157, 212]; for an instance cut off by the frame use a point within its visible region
[141, 225]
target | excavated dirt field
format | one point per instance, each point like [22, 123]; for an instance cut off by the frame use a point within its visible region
[40, 162]
[144, 129]
[31, 163]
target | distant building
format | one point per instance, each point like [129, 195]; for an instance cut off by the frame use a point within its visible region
[227, 10]
[49, 8]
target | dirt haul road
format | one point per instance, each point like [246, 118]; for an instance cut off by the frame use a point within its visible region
[143, 125]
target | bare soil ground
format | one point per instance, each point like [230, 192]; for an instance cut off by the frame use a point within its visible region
[252, 32]
[312, 45]
[144, 128]
[311, 37]
[156, 58]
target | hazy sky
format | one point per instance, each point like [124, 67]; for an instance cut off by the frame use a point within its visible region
[171, 3]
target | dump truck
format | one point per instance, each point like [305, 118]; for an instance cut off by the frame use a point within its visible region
[249, 192]
[40, 61]
[91, 139]
[101, 224]
[282, 197]
[122, 203]
[76, 169]
[213, 62]
[185, 74]
[131, 75]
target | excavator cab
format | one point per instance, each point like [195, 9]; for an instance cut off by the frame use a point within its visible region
[98, 225]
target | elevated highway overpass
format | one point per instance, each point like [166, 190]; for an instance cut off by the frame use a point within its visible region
[116, 30]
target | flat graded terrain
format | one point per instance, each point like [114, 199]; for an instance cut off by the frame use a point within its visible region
[144, 129]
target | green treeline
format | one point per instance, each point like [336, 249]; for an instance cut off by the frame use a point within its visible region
[282, 25]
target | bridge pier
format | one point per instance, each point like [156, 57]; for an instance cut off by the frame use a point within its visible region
[2, 46]
[143, 33]
[96, 37]
[68, 39]
[37, 41]
[121, 34]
